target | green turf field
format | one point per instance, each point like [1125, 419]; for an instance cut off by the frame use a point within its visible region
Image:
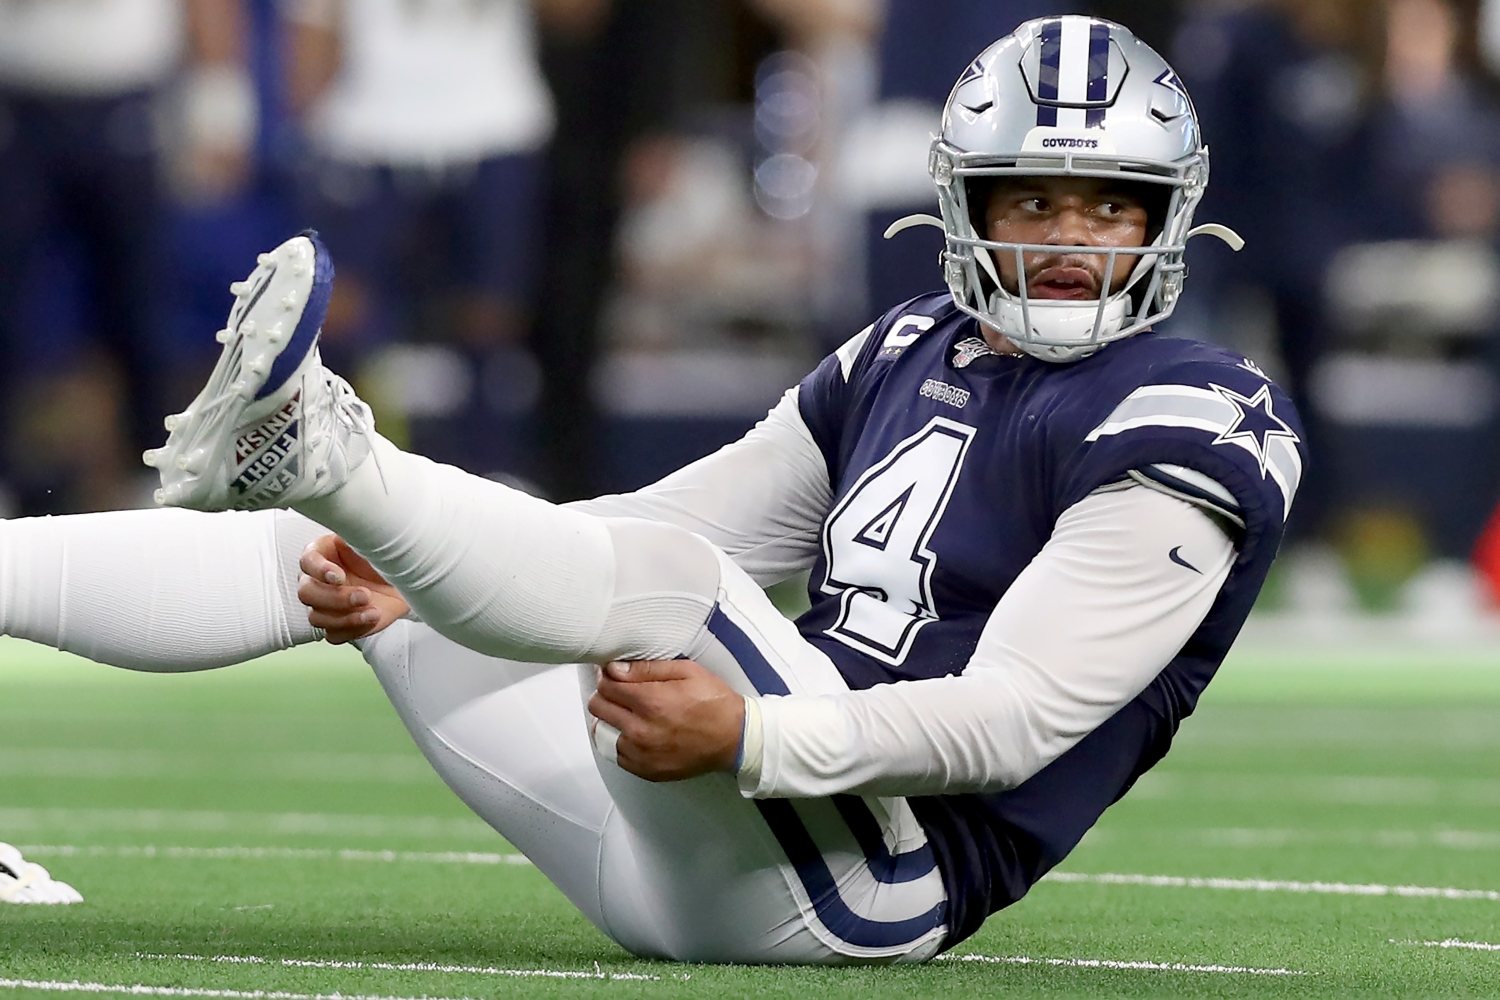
[269, 831]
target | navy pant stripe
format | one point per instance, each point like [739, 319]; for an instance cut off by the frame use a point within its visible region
[1046, 84]
[757, 669]
[821, 888]
[887, 868]
[803, 853]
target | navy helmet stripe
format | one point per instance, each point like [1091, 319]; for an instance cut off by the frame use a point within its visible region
[887, 868]
[758, 670]
[1098, 85]
[823, 891]
[1051, 60]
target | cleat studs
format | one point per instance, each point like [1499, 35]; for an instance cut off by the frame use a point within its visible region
[223, 335]
[150, 456]
[275, 334]
[160, 496]
[290, 302]
[257, 367]
[239, 288]
[298, 270]
[247, 328]
[172, 422]
[264, 259]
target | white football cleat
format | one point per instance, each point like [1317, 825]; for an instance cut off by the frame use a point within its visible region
[24, 882]
[272, 426]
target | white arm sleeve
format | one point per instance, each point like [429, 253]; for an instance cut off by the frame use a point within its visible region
[761, 500]
[1085, 627]
[159, 590]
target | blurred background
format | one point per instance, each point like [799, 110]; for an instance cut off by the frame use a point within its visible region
[581, 242]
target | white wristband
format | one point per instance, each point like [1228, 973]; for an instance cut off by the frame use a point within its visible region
[752, 747]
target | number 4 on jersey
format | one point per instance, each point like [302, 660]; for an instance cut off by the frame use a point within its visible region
[875, 541]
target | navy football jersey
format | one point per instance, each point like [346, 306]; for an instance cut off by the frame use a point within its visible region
[950, 466]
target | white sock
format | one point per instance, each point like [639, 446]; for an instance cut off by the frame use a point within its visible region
[507, 574]
[160, 590]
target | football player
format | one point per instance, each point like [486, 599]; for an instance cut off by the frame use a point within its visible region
[1034, 528]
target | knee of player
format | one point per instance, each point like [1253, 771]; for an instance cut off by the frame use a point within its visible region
[654, 558]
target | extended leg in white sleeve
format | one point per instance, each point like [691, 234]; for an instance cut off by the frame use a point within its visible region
[1124, 581]
[507, 574]
[160, 590]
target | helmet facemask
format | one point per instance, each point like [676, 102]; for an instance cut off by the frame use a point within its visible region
[1063, 329]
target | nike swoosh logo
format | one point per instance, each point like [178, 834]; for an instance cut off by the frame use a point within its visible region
[1181, 561]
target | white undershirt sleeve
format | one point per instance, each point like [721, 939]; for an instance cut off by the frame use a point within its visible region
[158, 590]
[761, 500]
[1124, 581]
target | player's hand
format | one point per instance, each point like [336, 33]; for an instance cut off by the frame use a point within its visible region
[344, 594]
[676, 720]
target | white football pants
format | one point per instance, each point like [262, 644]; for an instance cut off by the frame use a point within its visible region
[690, 869]
[686, 870]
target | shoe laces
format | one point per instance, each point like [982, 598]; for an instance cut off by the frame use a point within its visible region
[351, 416]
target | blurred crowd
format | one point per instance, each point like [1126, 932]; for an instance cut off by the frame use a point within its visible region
[580, 242]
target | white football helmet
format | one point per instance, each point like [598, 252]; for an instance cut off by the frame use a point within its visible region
[1078, 97]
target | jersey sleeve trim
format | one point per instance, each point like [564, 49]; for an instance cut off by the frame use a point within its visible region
[849, 352]
[1193, 487]
[1249, 422]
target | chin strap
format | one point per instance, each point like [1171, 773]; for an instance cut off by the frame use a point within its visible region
[911, 222]
[981, 254]
[1235, 240]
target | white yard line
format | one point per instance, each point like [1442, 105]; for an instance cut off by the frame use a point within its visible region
[1083, 963]
[475, 970]
[275, 854]
[141, 989]
[1274, 838]
[241, 824]
[489, 858]
[1453, 943]
[1276, 885]
[1105, 963]
[1322, 789]
[77, 762]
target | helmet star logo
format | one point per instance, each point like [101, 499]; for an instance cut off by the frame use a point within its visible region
[1171, 81]
[1255, 424]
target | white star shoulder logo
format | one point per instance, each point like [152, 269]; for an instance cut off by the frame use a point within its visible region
[1255, 424]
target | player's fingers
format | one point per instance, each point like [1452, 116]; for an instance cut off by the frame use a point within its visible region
[326, 597]
[318, 560]
[641, 671]
[354, 562]
[638, 699]
[339, 636]
[612, 712]
[343, 618]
